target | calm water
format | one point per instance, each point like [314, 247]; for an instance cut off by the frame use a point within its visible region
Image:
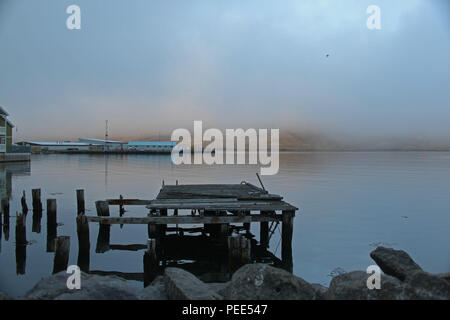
[349, 202]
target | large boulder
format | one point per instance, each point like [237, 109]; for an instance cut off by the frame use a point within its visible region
[182, 285]
[93, 287]
[353, 286]
[396, 263]
[263, 282]
[155, 291]
[424, 286]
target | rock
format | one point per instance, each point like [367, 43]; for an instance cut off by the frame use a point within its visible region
[155, 291]
[4, 296]
[425, 286]
[182, 285]
[93, 287]
[263, 282]
[396, 263]
[445, 276]
[322, 289]
[353, 286]
[219, 287]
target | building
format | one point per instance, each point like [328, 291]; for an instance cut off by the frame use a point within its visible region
[51, 147]
[151, 146]
[108, 145]
[6, 127]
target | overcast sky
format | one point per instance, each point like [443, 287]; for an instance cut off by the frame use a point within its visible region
[150, 66]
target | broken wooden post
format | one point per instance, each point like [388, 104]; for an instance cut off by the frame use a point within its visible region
[51, 224]
[80, 202]
[239, 252]
[62, 249]
[21, 244]
[23, 201]
[264, 231]
[102, 208]
[84, 244]
[286, 239]
[36, 195]
[151, 263]
[104, 229]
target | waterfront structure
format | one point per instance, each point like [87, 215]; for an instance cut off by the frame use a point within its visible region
[151, 146]
[107, 145]
[8, 151]
[6, 127]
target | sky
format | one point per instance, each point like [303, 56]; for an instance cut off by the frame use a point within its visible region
[150, 67]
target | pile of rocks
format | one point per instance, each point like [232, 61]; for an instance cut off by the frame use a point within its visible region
[402, 279]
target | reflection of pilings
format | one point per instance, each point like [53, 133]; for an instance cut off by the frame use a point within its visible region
[151, 262]
[83, 243]
[62, 250]
[23, 201]
[104, 229]
[51, 224]
[5, 211]
[37, 216]
[21, 244]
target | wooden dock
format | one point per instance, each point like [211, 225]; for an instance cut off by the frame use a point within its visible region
[215, 206]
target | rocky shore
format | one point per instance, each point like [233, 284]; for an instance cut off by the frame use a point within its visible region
[402, 279]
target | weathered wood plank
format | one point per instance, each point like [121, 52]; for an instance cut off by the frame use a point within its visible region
[183, 219]
[221, 205]
[128, 202]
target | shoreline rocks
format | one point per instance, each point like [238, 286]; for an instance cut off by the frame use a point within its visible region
[403, 279]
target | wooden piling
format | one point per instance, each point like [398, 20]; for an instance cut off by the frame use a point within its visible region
[84, 244]
[151, 264]
[21, 244]
[102, 208]
[61, 259]
[80, 202]
[51, 225]
[36, 195]
[286, 239]
[103, 238]
[239, 252]
[264, 231]
[23, 201]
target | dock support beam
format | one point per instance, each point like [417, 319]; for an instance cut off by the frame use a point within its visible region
[151, 264]
[264, 231]
[286, 241]
[239, 252]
